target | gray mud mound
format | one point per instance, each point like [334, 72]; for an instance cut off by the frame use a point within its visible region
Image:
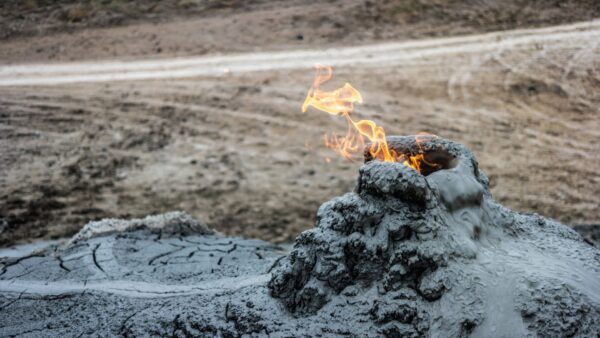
[434, 255]
[405, 255]
[168, 224]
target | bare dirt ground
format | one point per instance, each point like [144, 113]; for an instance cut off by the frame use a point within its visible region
[232, 149]
[62, 30]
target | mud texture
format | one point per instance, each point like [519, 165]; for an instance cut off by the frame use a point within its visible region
[405, 255]
[590, 233]
[435, 255]
[171, 223]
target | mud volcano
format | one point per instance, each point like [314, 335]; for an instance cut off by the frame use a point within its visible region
[404, 255]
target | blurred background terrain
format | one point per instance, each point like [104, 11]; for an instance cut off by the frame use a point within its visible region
[74, 30]
[234, 150]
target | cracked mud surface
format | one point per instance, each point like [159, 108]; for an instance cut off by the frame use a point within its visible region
[110, 285]
[402, 255]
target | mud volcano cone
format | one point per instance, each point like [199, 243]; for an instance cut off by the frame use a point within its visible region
[432, 254]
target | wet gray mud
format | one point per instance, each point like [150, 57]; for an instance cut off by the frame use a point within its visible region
[404, 255]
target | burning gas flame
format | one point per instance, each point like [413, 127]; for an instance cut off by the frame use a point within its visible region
[341, 102]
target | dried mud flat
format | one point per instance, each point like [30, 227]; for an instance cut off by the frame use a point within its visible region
[234, 151]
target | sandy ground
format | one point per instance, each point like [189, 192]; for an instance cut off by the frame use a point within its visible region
[234, 150]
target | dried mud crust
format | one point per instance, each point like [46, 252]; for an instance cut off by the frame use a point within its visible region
[404, 255]
[134, 283]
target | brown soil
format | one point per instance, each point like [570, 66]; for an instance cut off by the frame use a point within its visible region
[234, 150]
[41, 30]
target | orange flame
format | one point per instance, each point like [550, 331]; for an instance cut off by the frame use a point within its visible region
[341, 102]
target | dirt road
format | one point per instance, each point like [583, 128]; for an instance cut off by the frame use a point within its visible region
[388, 54]
[222, 137]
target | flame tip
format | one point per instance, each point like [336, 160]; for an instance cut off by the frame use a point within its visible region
[341, 102]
